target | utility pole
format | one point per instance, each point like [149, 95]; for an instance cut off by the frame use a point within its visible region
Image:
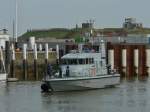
[13, 31]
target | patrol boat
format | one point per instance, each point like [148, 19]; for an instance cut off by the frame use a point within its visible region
[82, 70]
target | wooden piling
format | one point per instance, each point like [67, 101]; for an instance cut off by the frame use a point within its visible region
[130, 61]
[2, 60]
[66, 49]
[35, 63]
[57, 55]
[124, 61]
[46, 59]
[117, 58]
[7, 57]
[12, 73]
[136, 60]
[107, 49]
[142, 61]
[1, 64]
[25, 77]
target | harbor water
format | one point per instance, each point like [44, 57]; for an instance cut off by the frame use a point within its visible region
[129, 96]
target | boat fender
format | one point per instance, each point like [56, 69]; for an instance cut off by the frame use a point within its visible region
[45, 87]
[67, 71]
[60, 73]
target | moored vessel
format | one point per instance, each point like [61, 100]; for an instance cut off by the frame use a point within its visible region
[82, 70]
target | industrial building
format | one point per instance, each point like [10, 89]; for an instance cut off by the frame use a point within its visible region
[130, 23]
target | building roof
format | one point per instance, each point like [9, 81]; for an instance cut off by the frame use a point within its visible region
[78, 55]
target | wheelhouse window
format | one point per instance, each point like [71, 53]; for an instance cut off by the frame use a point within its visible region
[69, 61]
[77, 61]
[74, 61]
[81, 61]
[87, 61]
[64, 62]
[91, 61]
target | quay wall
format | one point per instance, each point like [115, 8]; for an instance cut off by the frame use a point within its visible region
[16, 67]
[18, 64]
[135, 59]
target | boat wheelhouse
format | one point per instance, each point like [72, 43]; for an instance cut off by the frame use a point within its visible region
[83, 64]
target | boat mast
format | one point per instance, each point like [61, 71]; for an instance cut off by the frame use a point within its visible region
[13, 30]
[16, 34]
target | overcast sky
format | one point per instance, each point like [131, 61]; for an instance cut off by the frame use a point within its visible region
[38, 14]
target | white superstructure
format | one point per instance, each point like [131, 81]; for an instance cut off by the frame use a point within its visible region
[85, 63]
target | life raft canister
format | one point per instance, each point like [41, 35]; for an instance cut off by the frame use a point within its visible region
[93, 71]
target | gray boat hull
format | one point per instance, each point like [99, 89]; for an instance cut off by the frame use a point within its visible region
[3, 76]
[86, 83]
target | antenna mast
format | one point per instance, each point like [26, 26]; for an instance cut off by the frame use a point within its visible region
[16, 34]
[13, 30]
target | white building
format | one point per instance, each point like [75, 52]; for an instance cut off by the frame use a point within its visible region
[31, 43]
[3, 38]
[130, 23]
